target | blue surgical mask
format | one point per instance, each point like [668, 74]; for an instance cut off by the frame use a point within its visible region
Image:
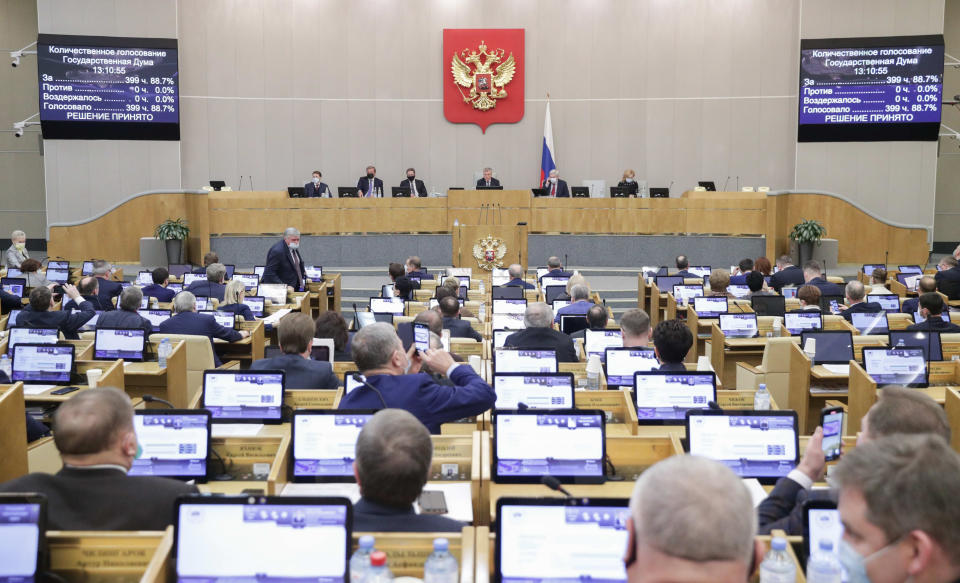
[316, 180]
[856, 565]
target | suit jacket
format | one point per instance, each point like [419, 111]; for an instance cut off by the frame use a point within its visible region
[109, 289]
[103, 499]
[826, 288]
[738, 279]
[420, 273]
[544, 339]
[66, 322]
[633, 187]
[934, 325]
[418, 185]
[364, 183]
[460, 329]
[280, 268]
[493, 182]
[242, 310]
[372, 517]
[125, 319]
[562, 190]
[432, 403]
[9, 302]
[158, 291]
[686, 274]
[14, 257]
[207, 289]
[948, 282]
[673, 367]
[518, 282]
[783, 508]
[578, 308]
[97, 302]
[862, 308]
[35, 429]
[910, 306]
[199, 325]
[312, 190]
[791, 275]
[301, 373]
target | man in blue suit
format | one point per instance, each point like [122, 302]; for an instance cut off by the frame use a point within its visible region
[926, 284]
[450, 310]
[126, 316]
[370, 186]
[295, 335]
[186, 320]
[109, 289]
[39, 314]
[556, 269]
[580, 303]
[213, 286]
[948, 278]
[158, 289]
[555, 187]
[394, 374]
[812, 275]
[516, 277]
[787, 274]
[855, 293]
[315, 188]
[89, 288]
[672, 340]
[284, 263]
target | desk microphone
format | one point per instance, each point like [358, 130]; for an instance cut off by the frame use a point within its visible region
[554, 484]
[669, 187]
[357, 378]
[738, 183]
[152, 399]
[725, 182]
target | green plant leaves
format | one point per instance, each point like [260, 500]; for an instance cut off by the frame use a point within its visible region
[172, 229]
[808, 231]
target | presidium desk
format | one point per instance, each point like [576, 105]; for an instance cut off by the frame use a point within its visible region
[115, 233]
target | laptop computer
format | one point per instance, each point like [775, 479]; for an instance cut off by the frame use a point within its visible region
[710, 306]
[484, 187]
[500, 336]
[557, 304]
[597, 342]
[548, 280]
[909, 280]
[12, 318]
[700, 270]
[191, 278]
[570, 324]
[580, 191]
[259, 269]
[296, 191]
[256, 305]
[789, 292]
[202, 303]
[663, 398]
[557, 539]
[868, 268]
[58, 275]
[58, 264]
[866, 323]
[175, 443]
[156, 317]
[830, 304]
[622, 363]
[910, 269]
[23, 526]
[567, 444]
[14, 285]
[533, 390]
[324, 444]
[217, 184]
[709, 185]
[508, 292]
[685, 293]
[769, 305]
[347, 192]
[833, 346]
[510, 322]
[86, 268]
[42, 364]
[225, 319]
[666, 283]
[175, 287]
[538, 192]
[656, 192]
[18, 335]
[754, 444]
[797, 322]
[393, 306]
[552, 293]
[267, 538]
[250, 280]
[399, 192]
[509, 306]
[896, 366]
[928, 341]
[275, 292]
[179, 269]
[619, 192]
[144, 278]
[524, 360]
[314, 272]
[739, 325]
[889, 302]
[738, 291]
[114, 343]
[244, 396]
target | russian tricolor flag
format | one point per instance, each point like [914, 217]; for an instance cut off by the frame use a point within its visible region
[548, 161]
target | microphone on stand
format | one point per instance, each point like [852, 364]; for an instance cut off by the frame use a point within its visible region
[251, 182]
[152, 399]
[669, 187]
[555, 485]
[725, 182]
[738, 183]
[357, 378]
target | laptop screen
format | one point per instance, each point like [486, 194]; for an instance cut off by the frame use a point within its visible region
[275, 292]
[42, 363]
[255, 303]
[738, 290]
[889, 302]
[909, 269]
[567, 444]
[928, 341]
[523, 360]
[700, 270]
[870, 323]
[896, 366]
[833, 347]
[86, 268]
[314, 272]
[31, 336]
[789, 292]
[58, 275]
[112, 343]
[759, 444]
[324, 444]
[189, 278]
[665, 283]
[509, 306]
[250, 280]
[769, 305]
[546, 282]
[156, 317]
[175, 443]
[797, 322]
[178, 269]
[175, 287]
[622, 363]
[58, 265]
[557, 304]
[665, 397]
[266, 539]
[202, 302]
[387, 306]
[349, 384]
[684, 293]
[536, 391]
[869, 267]
[143, 278]
[225, 319]
[909, 280]
[555, 540]
[555, 293]
[259, 269]
[508, 321]
[597, 342]
[738, 325]
[500, 337]
[238, 397]
[709, 307]
[13, 285]
[21, 529]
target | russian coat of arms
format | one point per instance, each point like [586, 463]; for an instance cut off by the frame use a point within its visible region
[489, 252]
[484, 73]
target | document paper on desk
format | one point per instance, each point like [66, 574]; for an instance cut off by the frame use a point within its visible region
[843, 369]
[236, 429]
[275, 317]
[37, 389]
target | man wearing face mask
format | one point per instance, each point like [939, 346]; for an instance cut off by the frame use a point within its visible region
[897, 498]
[399, 384]
[555, 187]
[94, 433]
[315, 188]
[413, 185]
[284, 263]
[370, 186]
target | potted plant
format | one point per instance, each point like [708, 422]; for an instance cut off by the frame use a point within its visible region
[806, 233]
[173, 232]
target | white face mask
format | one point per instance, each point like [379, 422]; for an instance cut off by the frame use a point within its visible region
[316, 180]
[293, 246]
[553, 179]
[628, 180]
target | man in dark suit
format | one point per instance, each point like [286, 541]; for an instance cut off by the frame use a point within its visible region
[948, 278]
[108, 289]
[580, 303]
[97, 443]
[89, 288]
[787, 274]
[39, 314]
[898, 411]
[672, 340]
[682, 264]
[370, 186]
[555, 268]
[413, 184]
[9, 302]
[284, 263]
[415, 268]
[539, 334]
[392, 465]
[635, 328]
[315, 188]
[186, 320]
[855, 292]
[158, 289]
[488, 180]
[931, 310]
[379, 355]
[516, 277]
[213, 286]
[596, 320]
[555, 187]
[402, 285]
[926, 284]
[450, 310]
[126, 316]
[209, 258]
[812, 275]
[295, 335]
[743, 268]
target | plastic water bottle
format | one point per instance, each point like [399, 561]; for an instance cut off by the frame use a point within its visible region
[593, 373]
[5, 366]
[824, 565]
[164, 352]
[776, 327]
[761, 399]
[440, 567]
[482, 312]
[378, 572]
[483, 287]
[777, 566]
[360, 561]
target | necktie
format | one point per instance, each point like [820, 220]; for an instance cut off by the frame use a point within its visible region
[296, 266]
[369, 187]
[488, 183]
[553, 190]
[413, 188]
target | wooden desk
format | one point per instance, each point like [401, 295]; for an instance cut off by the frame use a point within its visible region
[94, 556]
[408, 551]
[112, 377]
[170, 383]
[13, 433]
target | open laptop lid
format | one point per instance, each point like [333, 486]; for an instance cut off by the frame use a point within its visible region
[534, 390]
[769, 305]
[507, 292]
[524, 360]
[567, 444]
[909, 269]
[710, 307]
[44, 364]
[20, 335]
[700, 270]
[597, 341]
[685, 293]
[267, 538]
[889, 302]
[572, 323]
[665, 283]
[833, 346]
[928, 341]
[621, 363]
[58, 275]
[23, 526]
[797, 322]
[114, 343]
[870, 323]
[739, 325]
[156, 317]
[754, 444]
[390, 305]
[896, 366]
[663, 398]
[324, 444]
[256, 304]
[275, 292]
[14, 285]
[909, 280]
[175, 443]
[509, 306]
[244, 396]
[868, 268]
[250, 280]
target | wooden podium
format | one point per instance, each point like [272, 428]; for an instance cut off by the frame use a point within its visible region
[514, 237]
[477, 214]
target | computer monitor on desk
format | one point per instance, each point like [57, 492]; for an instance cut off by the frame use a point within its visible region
[754, 444]
[324, 444]
[42, 363]
[23, 523]
[175, 443]
[567, 444]
[524, 360]
[659, 193]
[399, 192]
[896, 366]
[347, 192]
[708, 185]
[244, 396]
[619, 192]
[533, 390]
[928, 341]
[663, 398]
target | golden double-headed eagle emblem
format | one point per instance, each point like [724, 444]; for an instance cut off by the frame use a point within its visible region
[489, 252]
[485, 73]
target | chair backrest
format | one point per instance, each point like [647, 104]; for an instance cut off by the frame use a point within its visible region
[199, 358]
[776, 355]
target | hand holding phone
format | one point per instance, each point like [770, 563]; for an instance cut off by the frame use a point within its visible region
[831, 420]
[421, 337]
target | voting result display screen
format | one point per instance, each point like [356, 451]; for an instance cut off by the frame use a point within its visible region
[108, 88]
[20, 534]
[174, 444]
[870, 89]
[243, 397]
[324, 444]
[754, 445]
[566, 444]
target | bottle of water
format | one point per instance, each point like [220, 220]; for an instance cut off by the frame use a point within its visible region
[163, 352]
[441, 566]
[482, 287]
[360, 561]
[378, 572]
[482, 312]
[761, 399]
[824, 565]
[777, 325]
[777, 566]
[5, 366]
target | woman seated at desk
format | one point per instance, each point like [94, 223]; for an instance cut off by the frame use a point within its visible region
[232, 302]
